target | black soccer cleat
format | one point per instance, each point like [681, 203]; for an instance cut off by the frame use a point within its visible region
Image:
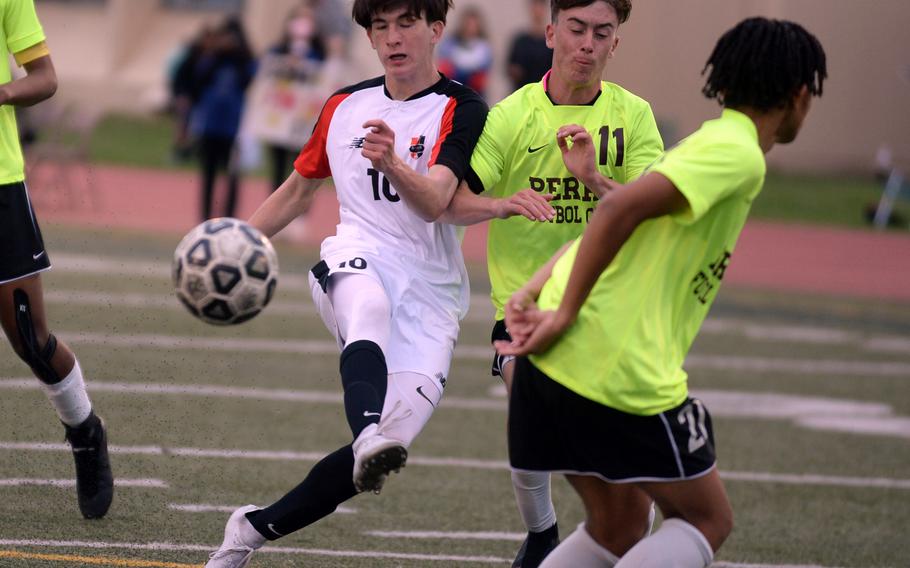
[94, 480]
[536, 547]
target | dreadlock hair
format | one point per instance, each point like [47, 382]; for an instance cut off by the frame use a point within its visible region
[623, 7]
[430, 10]
[762, 63]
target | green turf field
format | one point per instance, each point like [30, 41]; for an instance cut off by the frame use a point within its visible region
[205, 419]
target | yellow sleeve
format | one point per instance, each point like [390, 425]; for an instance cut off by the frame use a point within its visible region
[21, 26]
[32, 53]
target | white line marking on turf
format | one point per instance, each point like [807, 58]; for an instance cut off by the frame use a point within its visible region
[450, 462]
[249, 393]
[455, 535]
[168, 546]
[201, 508]
[482, 311]
[30, 482]
[155, 301]
[815, 413]
[483, 353]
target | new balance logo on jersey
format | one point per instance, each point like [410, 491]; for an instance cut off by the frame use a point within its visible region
[357, 142]
[417, 146]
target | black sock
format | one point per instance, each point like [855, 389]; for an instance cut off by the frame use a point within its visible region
[364, 377]
[328, 485]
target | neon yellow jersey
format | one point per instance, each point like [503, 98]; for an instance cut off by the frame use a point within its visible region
[627, 346]
[518, 150]
[20, 30]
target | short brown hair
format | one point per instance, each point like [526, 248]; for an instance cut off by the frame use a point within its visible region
[431, 10]
[623, 7]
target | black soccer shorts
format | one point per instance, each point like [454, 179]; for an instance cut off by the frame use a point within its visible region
[22, 250]
[499, 333]
[552, 428]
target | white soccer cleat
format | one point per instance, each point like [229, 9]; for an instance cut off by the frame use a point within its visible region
[375, 457]
[240, 541]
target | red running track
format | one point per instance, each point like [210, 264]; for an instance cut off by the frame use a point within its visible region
[769, 255]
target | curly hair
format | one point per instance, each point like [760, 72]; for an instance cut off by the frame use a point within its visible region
[762, 63]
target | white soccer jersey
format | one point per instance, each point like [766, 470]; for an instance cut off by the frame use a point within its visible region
[419, 263]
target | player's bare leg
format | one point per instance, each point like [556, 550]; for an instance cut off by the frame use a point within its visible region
[699, 519]
[23, 319]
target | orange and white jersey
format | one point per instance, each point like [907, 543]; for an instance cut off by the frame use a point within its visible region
[419, 263]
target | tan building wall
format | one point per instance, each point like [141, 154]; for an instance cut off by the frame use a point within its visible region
[114, 55]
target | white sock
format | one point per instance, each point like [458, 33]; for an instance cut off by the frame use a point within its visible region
[69, 397]
[580, 550]
[532, 493]
[677, 544]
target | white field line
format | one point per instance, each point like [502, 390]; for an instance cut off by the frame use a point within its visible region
[484, 353]
[203, 508]
[31, 482]
[175, 547]
[451, 462]
[816, 413]
[155, 301]
[248, 393]
[455, 535]
[481, 311]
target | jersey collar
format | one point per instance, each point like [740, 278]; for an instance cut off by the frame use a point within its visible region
[546, 90]
[740, 118]
[434, 88]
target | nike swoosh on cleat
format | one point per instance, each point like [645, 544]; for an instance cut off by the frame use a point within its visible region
[532, 150]
[272, 528]
[37, 256]
[368, 413]
[420, 392]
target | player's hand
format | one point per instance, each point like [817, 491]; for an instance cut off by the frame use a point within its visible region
[528, 203]
[548, 326]
[579, 158]
[379, 145]
[519, 311]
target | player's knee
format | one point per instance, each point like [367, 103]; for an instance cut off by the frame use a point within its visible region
[723, 525]
[33, 344]
[616, 533]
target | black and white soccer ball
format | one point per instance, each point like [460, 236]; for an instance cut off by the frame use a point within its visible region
[225, 271]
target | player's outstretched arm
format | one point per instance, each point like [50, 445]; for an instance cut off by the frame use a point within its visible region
[39, 83]
[579, 158]
[619, 213]
[467, 208]
[292, 199]
[427, 195]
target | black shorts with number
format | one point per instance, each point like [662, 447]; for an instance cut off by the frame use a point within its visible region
[21, 246]
[551, 428]
[499, 333]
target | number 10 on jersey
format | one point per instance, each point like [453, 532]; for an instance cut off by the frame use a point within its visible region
[378, 180]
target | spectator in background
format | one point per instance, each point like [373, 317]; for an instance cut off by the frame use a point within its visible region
[221, 75]
[466, 56]
[333, 26]
[529, 56]
[181, 71]
[298, 56]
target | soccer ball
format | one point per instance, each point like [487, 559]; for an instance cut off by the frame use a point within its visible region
[225, 271]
